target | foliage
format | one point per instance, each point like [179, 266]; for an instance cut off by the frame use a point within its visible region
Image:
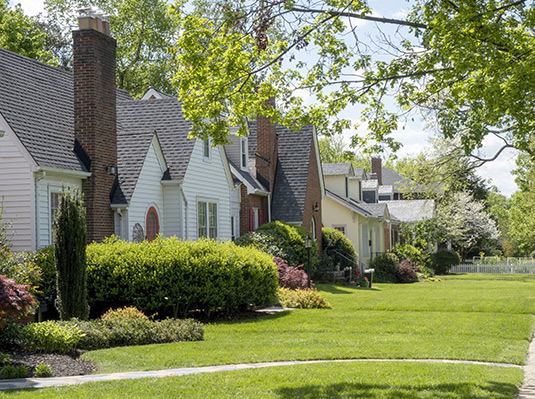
[143, 31]
[421, 235]
[282, 240]
[22, 34]
[11, 371]
[70, 254]
[406, 272]
[44, 259]
[419, 257]
[15, 300]
[302, 299]
[127, 312]
[443, 260]
[333, 150]
[385, 266]
[204, 275]
[291, 277]
[50, 336]
[521, 221]
[22, 268]
[337, 250]
[43, 370]
[466, 224]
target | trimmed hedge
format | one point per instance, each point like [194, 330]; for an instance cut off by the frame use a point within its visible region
[386, 268]
[204, 275]
[443, 260]
[282, 240]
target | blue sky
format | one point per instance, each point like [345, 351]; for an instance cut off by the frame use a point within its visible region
[413, 136]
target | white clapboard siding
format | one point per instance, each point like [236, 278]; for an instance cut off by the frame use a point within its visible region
[208, 180]
[50, 183]
[149, 191]
[17, 193]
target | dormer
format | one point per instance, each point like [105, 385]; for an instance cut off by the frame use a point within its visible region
[339, 178]
[238, 150]
[370, 189]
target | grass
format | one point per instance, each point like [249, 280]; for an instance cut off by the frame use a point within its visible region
[485, 318]
[318, 381]
[461, 317]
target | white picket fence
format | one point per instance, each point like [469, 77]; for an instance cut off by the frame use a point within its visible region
[502, 266]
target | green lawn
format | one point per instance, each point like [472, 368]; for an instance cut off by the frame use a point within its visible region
[486, 318]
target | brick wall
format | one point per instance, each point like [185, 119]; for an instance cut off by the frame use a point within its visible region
[267, 149]
[249, 201]
[313, 197]
[388, 246]
[95, 124]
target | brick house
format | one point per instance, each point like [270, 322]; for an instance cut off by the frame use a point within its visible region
[281, 176]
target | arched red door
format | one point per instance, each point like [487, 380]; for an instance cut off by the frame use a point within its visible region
[153, 224]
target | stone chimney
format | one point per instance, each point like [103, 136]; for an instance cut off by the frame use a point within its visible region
[377, 169]
[95, 119]
[267, 149]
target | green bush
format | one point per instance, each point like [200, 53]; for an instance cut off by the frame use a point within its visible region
[443, 260]
[11, 371]
[43, 370]
[50, 336]
[303, 299]
[418, 257]
[70, 256]
[282, 240]
[22, 268]
[44, 259]
[337, 250]
[182, 275]
[386, 267]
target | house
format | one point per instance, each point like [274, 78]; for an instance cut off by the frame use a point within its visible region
[281, 176]
[139, 172]
[367, 225]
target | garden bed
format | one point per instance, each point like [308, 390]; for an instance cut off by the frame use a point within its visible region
[60, 365]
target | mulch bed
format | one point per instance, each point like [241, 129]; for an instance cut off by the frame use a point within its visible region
[60, 365]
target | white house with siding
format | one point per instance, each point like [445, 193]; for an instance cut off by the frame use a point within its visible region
[166, 183]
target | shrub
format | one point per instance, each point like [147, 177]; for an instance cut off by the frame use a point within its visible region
[443, 260]
[182, 275]
[303, 299]
[70, 255]
[406, 272]
[44, 259]
[43, 370]
[419, 258]
[50, 336]
[15, 300]
[291, 277]
[385, 266]
[282, 240]
[337, 250]
[11, 371]
[21, 268]
[128, 312]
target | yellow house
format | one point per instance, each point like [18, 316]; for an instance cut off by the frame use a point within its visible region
[367, 225]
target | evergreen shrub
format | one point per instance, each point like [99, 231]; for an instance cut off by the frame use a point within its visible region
[337, 250]
[282, 240]
[443, 260]
[202, 275]
[386, 266]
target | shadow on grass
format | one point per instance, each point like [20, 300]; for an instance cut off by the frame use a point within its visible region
[347, 289]
[495, 390]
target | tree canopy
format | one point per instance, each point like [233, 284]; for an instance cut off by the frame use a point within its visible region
[469, 64]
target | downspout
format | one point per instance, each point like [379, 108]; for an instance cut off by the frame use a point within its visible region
[36, 207]
[185, 212]
[269, 207]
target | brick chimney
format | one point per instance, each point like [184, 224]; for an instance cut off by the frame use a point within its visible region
[95, 119]
[377, 169]
[267, 148]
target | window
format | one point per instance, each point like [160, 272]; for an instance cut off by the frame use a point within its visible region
[256, 218]
[243, 153]
[207, 149]
[207, 219]
[339, 228]
[153, 225]
[54, 206]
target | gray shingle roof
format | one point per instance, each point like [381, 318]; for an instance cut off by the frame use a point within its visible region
[252, 140]
[370, 184]
[291, 178]
[246, 177]
[360, 173]
[165, 118]
[411, 210]
[376, 209]
[337, 169]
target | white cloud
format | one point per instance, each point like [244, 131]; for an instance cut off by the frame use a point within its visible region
[31, 7]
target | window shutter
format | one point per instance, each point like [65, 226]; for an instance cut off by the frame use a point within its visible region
[251, 220]
[260, 217]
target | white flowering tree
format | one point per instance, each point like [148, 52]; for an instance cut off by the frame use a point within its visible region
[466, 224]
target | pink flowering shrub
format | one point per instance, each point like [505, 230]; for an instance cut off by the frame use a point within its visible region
[15, 301]
[291, 277]
[406, 272]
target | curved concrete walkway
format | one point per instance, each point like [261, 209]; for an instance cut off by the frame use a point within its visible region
[57, 381]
